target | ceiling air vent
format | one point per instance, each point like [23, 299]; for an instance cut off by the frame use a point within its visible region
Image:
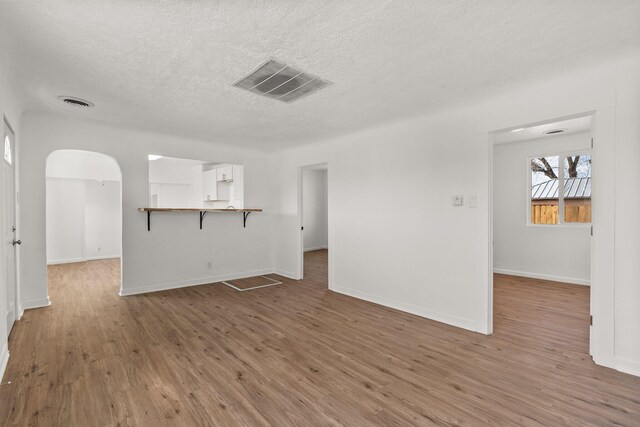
[280, 81]
[76, 102]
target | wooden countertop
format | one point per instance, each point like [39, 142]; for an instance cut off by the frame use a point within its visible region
[196, 210]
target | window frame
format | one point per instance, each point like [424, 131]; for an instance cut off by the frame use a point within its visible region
[562, 155]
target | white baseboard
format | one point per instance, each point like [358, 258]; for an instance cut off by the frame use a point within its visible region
[460, 322]
[65, 261]
[95, 258]
[316, 248]
[34, 303]
[4, 359]
[287, 274]
[627, 366]
[74, 260]
[135, 290]
[549, 277]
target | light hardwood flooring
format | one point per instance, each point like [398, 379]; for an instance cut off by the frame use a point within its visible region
[298, 354]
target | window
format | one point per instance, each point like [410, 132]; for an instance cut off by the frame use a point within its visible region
[561, 189]
[7, 149]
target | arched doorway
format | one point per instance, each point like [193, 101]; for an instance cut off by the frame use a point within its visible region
[83, 219]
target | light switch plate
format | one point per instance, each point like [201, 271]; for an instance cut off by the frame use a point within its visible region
[473, 201]
[458, 200]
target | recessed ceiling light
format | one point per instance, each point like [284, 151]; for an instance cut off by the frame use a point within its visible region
[154, 157]
[554, 131]
[76, 102]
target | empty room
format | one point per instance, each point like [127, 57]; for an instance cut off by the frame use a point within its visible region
[320, 213]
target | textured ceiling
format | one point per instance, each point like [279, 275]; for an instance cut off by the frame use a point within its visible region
[168, 66]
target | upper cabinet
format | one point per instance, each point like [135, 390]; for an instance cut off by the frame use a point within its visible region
[222, 186]
[209, 185]
[225, 173]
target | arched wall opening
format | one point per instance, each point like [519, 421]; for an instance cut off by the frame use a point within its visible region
[83, 210]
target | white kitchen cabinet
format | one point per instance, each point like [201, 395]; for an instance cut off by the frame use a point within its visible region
[209, 185]
[225, 173]
[224, 190]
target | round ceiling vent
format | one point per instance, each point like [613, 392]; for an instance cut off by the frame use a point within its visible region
[76, 102]
[554, 131]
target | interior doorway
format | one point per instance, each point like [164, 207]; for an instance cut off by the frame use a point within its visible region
[542, 229]
[314, 208]
[83, 214]
[9, 225]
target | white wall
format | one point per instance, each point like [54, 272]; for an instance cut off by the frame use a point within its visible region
[171, 170]
[65, 220]
[175, 252]
[314, 210]
[553, 252]
[82, 165]
[174, 181]
[422, 255]
[83, 217]
[394, 236]
[103, 219]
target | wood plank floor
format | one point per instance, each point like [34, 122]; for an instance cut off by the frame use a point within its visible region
[297, 354]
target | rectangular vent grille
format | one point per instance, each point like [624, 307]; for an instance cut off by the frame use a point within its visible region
[280, 81]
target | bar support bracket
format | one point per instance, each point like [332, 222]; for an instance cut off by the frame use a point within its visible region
[202, 214]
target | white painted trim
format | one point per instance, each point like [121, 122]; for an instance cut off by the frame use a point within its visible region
[316, 248]
[627, 366]
[287, 274]
[193, 282]
[65, 261]
[550, 277]
[602, 106]
[460, 322]
[74, 260]
[4, 359]
[34, 303]
[96, 258]
[486, 309]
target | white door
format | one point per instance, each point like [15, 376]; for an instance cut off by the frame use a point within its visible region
[8, 224]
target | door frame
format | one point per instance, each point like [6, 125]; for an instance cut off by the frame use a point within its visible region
[527, 208]
[121, 216]
[16, 303]
[602, 304]
[301, 169]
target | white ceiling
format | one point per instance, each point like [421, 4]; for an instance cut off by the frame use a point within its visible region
[574, 125]
[168, 66]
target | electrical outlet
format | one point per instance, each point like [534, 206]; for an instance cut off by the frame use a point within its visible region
[99, 249]
[209, 265]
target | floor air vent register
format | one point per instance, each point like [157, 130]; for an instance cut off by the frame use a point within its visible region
[280, 81]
